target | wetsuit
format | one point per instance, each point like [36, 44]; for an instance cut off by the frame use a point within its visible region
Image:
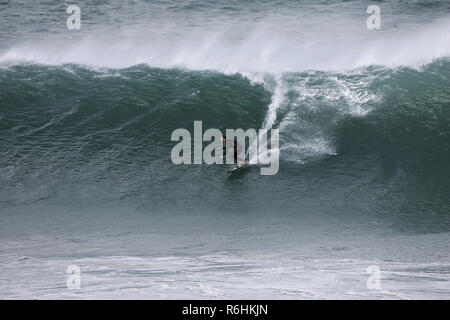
[235, 151]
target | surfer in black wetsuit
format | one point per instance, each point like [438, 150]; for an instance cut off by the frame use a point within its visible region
[236, 149]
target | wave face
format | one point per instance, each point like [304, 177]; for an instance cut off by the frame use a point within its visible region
[109, 132]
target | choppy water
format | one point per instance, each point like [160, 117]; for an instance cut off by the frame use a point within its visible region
[85, 170]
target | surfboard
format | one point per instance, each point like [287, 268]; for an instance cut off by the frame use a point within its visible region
[238, 168]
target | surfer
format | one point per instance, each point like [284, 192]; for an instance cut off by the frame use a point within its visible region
[236, 148]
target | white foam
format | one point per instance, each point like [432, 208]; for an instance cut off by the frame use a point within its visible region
[264, 47]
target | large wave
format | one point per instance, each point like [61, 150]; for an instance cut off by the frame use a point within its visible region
[94, 111]
[72, 110]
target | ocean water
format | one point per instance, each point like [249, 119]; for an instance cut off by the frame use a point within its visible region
[86, 177]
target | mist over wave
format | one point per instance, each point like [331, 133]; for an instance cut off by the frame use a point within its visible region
[260, 51]
[293, 38]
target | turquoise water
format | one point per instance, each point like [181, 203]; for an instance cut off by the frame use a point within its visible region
[86, 176]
